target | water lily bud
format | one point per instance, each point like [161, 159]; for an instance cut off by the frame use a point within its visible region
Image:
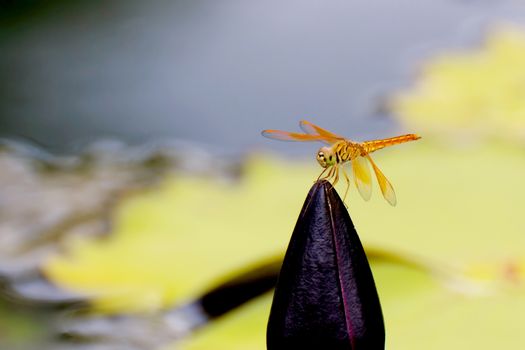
[325, 296]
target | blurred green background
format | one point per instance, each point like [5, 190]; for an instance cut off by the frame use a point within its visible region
[135, 180]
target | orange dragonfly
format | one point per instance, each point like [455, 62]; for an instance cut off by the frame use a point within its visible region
[341, 151]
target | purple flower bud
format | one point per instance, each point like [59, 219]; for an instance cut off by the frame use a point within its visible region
[325, 296]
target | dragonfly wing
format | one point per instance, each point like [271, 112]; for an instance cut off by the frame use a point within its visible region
[291, 136]
[384, 184]
[312, 129]
[362, 177]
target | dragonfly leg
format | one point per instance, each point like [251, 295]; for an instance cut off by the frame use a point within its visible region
[347, 183]
[324, 170]
[336, 173]
[331, 173]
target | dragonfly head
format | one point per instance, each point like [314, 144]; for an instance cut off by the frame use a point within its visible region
[326, 157]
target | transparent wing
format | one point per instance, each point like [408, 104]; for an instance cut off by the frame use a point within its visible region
[294, 136]
[362, 177]
[312, 129]
[384, 184]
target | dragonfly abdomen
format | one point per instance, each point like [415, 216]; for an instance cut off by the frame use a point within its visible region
[374, 145]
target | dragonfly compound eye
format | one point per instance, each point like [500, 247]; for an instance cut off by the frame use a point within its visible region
[321, 158]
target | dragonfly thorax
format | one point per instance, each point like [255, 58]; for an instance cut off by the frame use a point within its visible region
[326, 157]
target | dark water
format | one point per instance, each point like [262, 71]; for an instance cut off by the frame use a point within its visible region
[217, 72]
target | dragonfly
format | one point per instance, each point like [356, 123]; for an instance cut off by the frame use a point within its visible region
[339, 151]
